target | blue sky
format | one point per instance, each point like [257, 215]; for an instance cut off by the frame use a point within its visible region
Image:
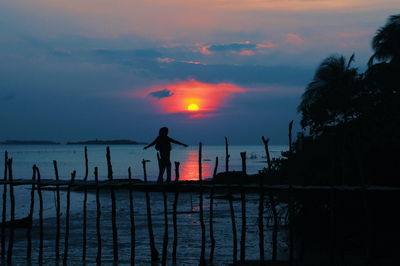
[76, 70]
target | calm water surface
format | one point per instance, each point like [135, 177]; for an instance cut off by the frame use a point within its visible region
[71, 157]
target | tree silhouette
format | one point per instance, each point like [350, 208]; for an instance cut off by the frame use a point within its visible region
[386, 42]
[329, 98]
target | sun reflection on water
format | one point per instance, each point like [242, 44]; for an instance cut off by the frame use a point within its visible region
[189, 169]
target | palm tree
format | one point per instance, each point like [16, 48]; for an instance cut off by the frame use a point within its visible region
[328, 99]
[386, 42]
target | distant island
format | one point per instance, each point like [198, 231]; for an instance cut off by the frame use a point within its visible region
[106, 142]
[28, 142]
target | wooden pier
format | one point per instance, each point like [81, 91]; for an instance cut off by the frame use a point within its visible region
[268, 199]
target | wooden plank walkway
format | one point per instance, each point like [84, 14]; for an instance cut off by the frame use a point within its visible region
[184, 185]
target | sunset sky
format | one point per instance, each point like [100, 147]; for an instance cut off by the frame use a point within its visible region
[120, 69]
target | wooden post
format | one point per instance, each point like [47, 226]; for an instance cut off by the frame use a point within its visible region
[165, 238]
[273, 206]
[202, 225]
[232, 212]
[12, 216]
[31, 210]
[174, 218]
[4, 213]
[243, 156]
[233, 221]
[291, 227]
[58, 212]
[226, 155]
[261, 226]
[132, 219]
[39, 190]
[144, 170]
[276, 226]
[98, 216]
[243, 201]
[65, 259]
[177, 171]
[261, 204]
[211, 216]
[113, 208]
[243, 231]
[153, 250]
[84, 232]
[290, 136]
[266, 141]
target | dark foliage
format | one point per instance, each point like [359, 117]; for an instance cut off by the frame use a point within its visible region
[352, 122]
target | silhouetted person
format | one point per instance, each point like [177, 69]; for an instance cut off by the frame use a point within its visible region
[163, 146]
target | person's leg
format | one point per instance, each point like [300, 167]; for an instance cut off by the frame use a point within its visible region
[160, 175]
[161, 166]
[168, 171]
[167, 164]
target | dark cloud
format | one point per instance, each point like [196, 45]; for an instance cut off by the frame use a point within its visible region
[240, 74]
[125, 54]
[61, 52]
[161, 93]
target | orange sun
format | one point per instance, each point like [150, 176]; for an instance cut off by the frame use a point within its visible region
[193, 107]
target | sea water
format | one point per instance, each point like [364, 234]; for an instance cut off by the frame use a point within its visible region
[71, 157]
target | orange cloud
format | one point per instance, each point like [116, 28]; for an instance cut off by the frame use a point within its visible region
[165, 60]
[265, 45]
[204, 50]
[207, 96]
[246, 52]
[295, 39]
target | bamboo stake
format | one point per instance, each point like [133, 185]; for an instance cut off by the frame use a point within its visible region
[290, 136]
[243, 233]
[153, 250]
[113, 208]
[261, 226]
[243, 201]
[212, 239]
[276, 226]
[132, 220]
[291, 205]
[31, 210]
[266, 141]
[174, 218]
[4, 213]
[177, 171]
[273, 207]
[202, 225]
[39, 190]
[261, 205]
[243, 156]
[84, 232]
[233, 221]
[165, 238]
[226, 155]
[291, 229]
[98, 216]
[58, 212]
[65, 259]
[12, 216]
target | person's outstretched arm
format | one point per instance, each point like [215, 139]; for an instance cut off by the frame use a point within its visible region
[177, 142]
[151, 144]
